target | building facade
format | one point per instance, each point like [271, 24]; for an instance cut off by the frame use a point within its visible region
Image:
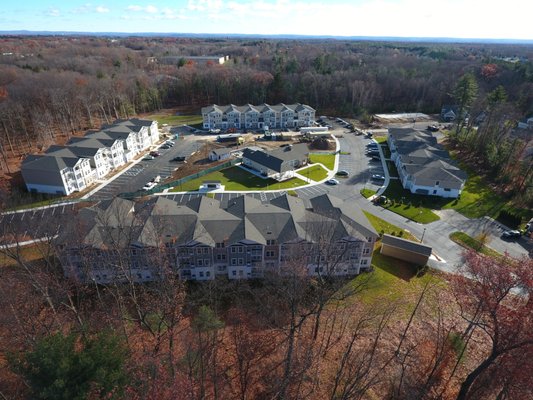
[202, 239]
[75, 166]
[263, 116]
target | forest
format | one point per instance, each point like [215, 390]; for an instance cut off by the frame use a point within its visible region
[52, 87]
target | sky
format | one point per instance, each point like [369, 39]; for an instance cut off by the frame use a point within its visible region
[483, 19]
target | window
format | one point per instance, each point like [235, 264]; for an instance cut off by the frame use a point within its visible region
[201, 274]
[206, 262]
[369, 239]
[241, 261]
[198, 251]
[219, 245]
[271, 242]
[234, 273]
[270, 253]
[435, 191]
[241, 249]
[208, 274]
[221, 257]
[234, 249]
[366, 251]
[200, 263]
[437, 183]
[233, 261]
[364, 262]
[206, 250]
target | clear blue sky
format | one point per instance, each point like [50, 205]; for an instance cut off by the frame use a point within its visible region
[419, 18]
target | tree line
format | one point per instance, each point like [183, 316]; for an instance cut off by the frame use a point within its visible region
[58, 86]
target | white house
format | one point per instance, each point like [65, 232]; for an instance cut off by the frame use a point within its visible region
[75, 166]
[424, 167]
[220, 154]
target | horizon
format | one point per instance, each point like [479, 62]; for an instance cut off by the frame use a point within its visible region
[447, 20]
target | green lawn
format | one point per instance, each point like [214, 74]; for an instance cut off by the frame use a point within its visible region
[478, 199]
[412, 206]
[314, 172]
[383, 226]
[366, 193]
[328, 160]
[236, 178]
[176, 119]
[392, 281]
[381, 139]
[469, 242]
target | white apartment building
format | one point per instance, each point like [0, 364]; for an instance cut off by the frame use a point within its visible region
[75, 166]
[258, 117]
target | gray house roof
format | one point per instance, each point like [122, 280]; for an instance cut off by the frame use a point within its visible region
[426, 161]
[203, 220]
[275, 159]
[407, 245]
[222, 151]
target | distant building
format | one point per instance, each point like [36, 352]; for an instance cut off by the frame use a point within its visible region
[75, 166]
[449, 113]
[195, 59]
[424, 166]
[258, 117]
[278, 164]
[202, 238]
[526, 123]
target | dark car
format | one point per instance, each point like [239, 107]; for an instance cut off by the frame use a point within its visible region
[433, 128]
[342, 173]
[375, 158]
[178, 159]
[155, 154]
[511, 234]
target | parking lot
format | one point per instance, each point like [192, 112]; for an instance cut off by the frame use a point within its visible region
[38, 223]
[137, 176]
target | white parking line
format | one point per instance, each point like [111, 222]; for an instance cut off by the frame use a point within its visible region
[181, 198]
[63, 210]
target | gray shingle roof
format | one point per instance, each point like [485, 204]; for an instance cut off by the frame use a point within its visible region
[405, 244]
[207, 221]
[260, 108]
[274, 159]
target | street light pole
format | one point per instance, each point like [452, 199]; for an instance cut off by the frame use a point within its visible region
[423, 233]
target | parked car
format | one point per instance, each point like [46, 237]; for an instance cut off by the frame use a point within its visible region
[433, 128]
[372, 145]
[170, 143]
[149, 185]
[342, 172]
[511, 234]
[332, 182]
[178, 159]
[148, 157]
[164, 147]
[380, 200]
[375, 158]
[156, 179]
[155, 153]
[378, 177]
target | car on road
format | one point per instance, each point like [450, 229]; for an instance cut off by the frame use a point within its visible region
[165, 147]
[149, 185]
[178, 159]
[155, 153]
[148, 157]
[513, 234]
[378, 177]
[342, 172]
[332, 182]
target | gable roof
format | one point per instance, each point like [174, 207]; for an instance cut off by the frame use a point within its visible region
[275, 159]
[407, 245]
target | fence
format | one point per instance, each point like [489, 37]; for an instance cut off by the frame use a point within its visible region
[160, 188]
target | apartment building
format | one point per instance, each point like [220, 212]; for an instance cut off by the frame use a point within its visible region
[424, 166]
[202, 239]
[75, 166]
[263, 116]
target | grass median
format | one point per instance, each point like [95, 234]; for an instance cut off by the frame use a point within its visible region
[327, 160]
[314, 172]
[236, 178]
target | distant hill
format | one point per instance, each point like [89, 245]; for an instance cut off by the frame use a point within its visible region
[282, 36]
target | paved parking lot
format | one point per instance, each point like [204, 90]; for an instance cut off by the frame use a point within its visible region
[38, 223]
[136, 177]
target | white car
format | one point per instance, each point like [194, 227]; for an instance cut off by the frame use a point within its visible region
[332, 182]
[149, 185]
[378, 177]
[156, 179]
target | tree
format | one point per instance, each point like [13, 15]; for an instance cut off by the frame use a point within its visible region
[72, 367]
[496, 302]
[465, 94]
